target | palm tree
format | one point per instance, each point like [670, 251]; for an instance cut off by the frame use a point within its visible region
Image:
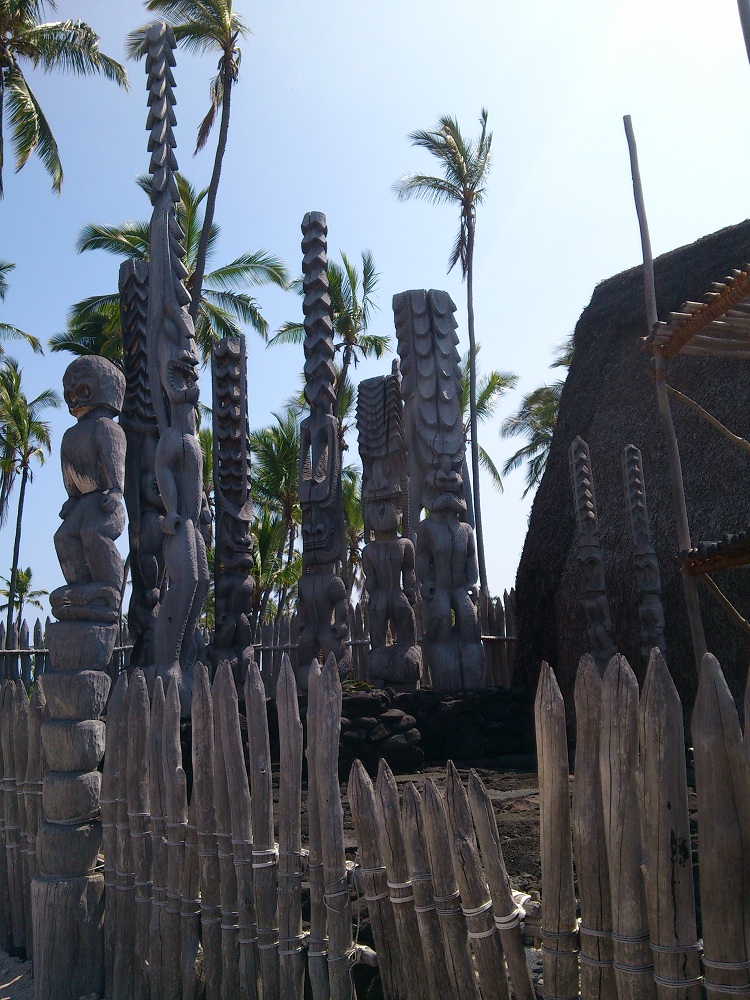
[269, 572]
[354, 524]
[275, 469]
[8, 332]
[94, 323]
[24, 437]
[352, 304]
[465, 164]
[536, 419]
[24, 593]
[490, 390]
[204, 26]
[70, 46]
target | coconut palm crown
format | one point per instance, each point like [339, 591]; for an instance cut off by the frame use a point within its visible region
[27, 41]
[94, 323]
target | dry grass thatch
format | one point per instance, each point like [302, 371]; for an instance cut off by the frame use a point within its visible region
[610, 401]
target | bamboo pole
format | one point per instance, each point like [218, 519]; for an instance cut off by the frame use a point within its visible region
[140, 826]
[589, 841]
[158, 803]
[205, 818]
[341, 951]
[175, 788]
[448, 903]
[560, 931]
[240, 812]
[124, 874]
[317, 955]
[291, 938]
[439, 979]
[507, 915]
[388, 817]
[673, 451]
[265, 852]
[665, 836]
[365, 817]
[476, 901]
[722, 777]
[618, 764]
[230, 974]
[20, 760]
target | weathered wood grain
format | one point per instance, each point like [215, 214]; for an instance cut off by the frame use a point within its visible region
[618, 764]
[317, 956]
[722, 778]
[158, 803]
[560, 930]
[589, 840]
[665, 836]
[139, 817]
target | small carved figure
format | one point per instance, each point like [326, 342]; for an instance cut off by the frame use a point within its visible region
[645, 563]
[595, 601]
[323, 600]
[172, 364]
[446, 560]
[93, 460]
[233, 639]
[388, 559]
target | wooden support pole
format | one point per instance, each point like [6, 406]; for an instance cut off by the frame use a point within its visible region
[740, 442]
[20, 760]
[33, 788]
[124, 874]
[725, 603]
[673, 451]
[317, 956]
[175, 787]
[190, 911]
[139, 817]
[158, 805]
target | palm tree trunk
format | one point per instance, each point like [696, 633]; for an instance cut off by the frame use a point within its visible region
[16, 550]
[345, 362]
[473, 404]
[213, 187]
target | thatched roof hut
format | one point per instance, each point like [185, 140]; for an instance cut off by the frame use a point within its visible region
[610, 401]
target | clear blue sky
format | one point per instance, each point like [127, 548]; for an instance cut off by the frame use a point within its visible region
[326, 99]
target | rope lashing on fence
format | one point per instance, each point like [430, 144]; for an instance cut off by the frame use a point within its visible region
[511, 920]
[678, 984]
[401, 887]
[271, 852]
[302, 940]
[478, 911]
[629, 938]
[674, 949]
[446, 911]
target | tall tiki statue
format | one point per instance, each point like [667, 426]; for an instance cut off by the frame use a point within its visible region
[233, 639]
[67, 894]
[323, 601]
[446, 557]
[142, 499]
[388, 557]
[172, 364]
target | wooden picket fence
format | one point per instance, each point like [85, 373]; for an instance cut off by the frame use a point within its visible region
[629, 831]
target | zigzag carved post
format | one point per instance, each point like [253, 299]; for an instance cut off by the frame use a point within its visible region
[590, 559]
[647, 575]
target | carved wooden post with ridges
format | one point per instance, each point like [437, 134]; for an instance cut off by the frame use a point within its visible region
[68, 891]
[590, 559]
[647, 575]
[323, 602]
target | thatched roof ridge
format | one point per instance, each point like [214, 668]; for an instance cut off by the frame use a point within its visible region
[610, 401]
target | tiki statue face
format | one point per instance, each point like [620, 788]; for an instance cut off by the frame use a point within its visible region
[92, 383]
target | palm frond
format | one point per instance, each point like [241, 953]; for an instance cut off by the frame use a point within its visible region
[72, 46]
[259, 268]
[30, 131]
[289, 333]
[130, 240]
[8, 332]
[5, 268]
[435, 190]
[491, 469]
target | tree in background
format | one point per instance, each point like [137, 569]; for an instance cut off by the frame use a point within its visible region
[352, 304]
[24, 438]
[354, 525]
[490, 390]
[208, 26]
[465, 165]
[69, 46]
[94, 323]
[23, 594]
[536, 419]
[8, 332]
